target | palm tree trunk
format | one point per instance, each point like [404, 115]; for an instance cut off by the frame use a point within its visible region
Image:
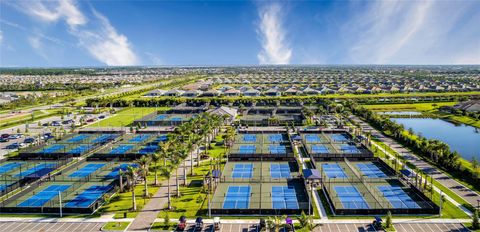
[176, 180]
[191, 163]
[184, 173]
[146, 186]
[156, 177]
[168, 194]
[121, 183]
[134, 202]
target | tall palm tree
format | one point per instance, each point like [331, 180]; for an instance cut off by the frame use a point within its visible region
[167, 173]
[144, 163]
[156, 157]
[132, 175]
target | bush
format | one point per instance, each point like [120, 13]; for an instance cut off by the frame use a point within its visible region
[388, 220]
[475, 223]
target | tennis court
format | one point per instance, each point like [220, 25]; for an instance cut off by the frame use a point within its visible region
[121, 149]
[280, 170]
[312, 138]
[333, 170]
[397, 197]
[5, 168]
[339, 138]
[370, 170]
[347, 148]
[247, 149]
[86, 170]
[237, 197]
[284, 197]
[156, 119]
[351, 198]
[242, 171]
[140, 138]
[81, 149]
[42, 197]
[78, 138]
[113, 174]
[37, 171]
[88, 196]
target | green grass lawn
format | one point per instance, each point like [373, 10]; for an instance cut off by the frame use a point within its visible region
[120, 226]
[126, 116]
[160, 226]
[423, 107]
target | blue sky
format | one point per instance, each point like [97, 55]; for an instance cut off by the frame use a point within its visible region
[99, 33]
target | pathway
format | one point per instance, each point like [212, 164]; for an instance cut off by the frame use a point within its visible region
[467, 194]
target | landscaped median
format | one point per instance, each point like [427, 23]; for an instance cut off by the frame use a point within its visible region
[115, 226]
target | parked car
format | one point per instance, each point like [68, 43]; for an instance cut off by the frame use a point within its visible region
[216, 223]
[5, 136]
[91, 120]
[13, 146]
[3, 140]
[17, 136]
[101, 117]
[55, 123]
[29, 140]
[69, 121]
[262, 225]
[46, 124]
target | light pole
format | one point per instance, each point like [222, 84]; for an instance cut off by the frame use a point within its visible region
[60, 201]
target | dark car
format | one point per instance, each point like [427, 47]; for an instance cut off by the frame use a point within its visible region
[182, 223]
[13, 146]
[29, 140]
[101, 116]
[46, 124]
[55, 123]
[5, 136]
[3, 140]
[199, 224]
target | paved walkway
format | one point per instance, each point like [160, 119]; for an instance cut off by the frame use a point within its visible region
[467, 194]
[150, 211]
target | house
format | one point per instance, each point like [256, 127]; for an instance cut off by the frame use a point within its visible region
[155, 93]
[310, 91]
[292, 91]
[228, 112]
[192, 93]
[211, 93]
[232, 93]
[174, 93]
[251, 93]
[272, 92]
[469, 106]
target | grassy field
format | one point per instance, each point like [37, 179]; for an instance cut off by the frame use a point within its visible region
[422, 107]
[37, 115]
[126, 116]
[119, 226]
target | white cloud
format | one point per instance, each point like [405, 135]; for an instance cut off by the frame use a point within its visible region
[411, 32]
[275, 48]
[154, 59]
[36, 43]
[1, 37]
[95, 34]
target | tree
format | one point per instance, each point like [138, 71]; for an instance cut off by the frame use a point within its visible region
[155, 157]
[274, 223]
[475, 223]
[167, 173]
[132, 175]
[388, 220]
[306, 221]
[144, 162]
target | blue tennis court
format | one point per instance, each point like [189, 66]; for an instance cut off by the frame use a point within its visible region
[38, 170]
[104, 138]
[139, 138]
[77, 138]
[320, 149]
[280, 171]
[275, 138]
[250, 138]
[333, 171]
[339, 137]
[397, 197]
[237, 197]
[160, 117]
[371, 170]
[44, 196]
[351, 197]
[247, 149]
[277, 149]
[86, 170]
[52, 148]
[161, 138]
[121, 149]
[149, 149]
[114, 173]
[80, 149]
[175, 119]
[87, 197]
[349, 148]
[284, 197]
[8, 167]
[312, 138]
[242, 171]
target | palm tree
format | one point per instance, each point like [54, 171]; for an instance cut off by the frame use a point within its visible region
[155, 157]
[144, 163]
[132, 175]
[306, 221]
[164, 151]
[167, 173]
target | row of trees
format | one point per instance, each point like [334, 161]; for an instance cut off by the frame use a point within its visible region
[184, 142]
[434, 150]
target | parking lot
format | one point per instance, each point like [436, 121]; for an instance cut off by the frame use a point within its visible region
[50, 226]
[350, 227]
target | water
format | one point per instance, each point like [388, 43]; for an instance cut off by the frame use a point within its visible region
[461, 138]
[400, 113]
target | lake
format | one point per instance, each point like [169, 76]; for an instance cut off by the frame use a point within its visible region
[400, 113]
[461, 138]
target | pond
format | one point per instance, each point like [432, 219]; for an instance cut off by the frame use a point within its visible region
[400, 113]
[461, 138]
